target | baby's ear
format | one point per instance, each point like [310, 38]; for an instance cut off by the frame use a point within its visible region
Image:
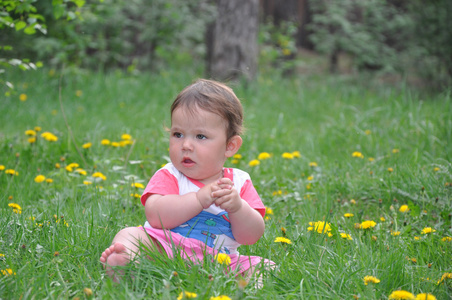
[233, 145]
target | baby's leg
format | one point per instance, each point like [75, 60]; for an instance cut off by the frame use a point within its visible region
[124, 247]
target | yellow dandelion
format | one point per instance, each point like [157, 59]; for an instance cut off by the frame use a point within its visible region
[320, 227]
[37, 128]
[115, 144]
[396, 295]
[281, 239]
[135, 195]
[371, 159]
[78, 93]
[268, 211]
[425, 296]
[40, 178]
[367, 131]
[105, 142]
[254, 163]
[12, 172]
[137, 185]
[417, 238]
[404, 208]
[276, 193]
[348, 215]
[221, 297]
[427, 230]
[88, 292]
[446, 239]
[23, 97]
[30, 132]
[223, 259]
[370, 279]
[186, 295]
[16, 208]
[296, 154]
[310, 178]
[368, 224]
[8, 272]
[32, 139]
[395, 151]
[395, 233]
[48, 136]
[99, 175]
[57, 165]
[313, 164]
[287, 155]
[382, 219]
[237, 156]
[357, 154]
[87, 182]
[346, 236]
[263, 156]
[49, 180]
[87, 145]
[390, 170]
[444, 277]
[2, 167]
[235, 161]
[81, 171]
[126, 136]
[436, 169]
[124, 143]
[353, 201]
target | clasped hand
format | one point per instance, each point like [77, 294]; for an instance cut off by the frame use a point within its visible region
[222, 194]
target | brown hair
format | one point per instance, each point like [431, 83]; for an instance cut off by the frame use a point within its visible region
[214, 97]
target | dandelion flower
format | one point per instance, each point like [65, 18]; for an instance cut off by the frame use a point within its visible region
[12, 172]
[48, 136]
[313, 164]
[416, 238]
[382, 219]
[404, 208]
[99, 175]
[221, 297]
[40, 178]
[390, 170]
[81, 171]
[49, 180]
[436, 169]
[126, 136]
[115, 144]
[237, 156]
[395, 233]
[87, 145]
[371, 159]
[254, 163]
[282, 240]
[88, 292]
[264, 155]
[135, 195]
[296, 154]
[425, 296]
[346, 236]
[137, 185]
[427, 230]
[32, 139]
[23, 97]
[368, 131]
[87, 182]
[105, 142]
[235, 161]
[37, 128]
[395, 151]
[357, 154]
[8, 272]
[186, 295]
[444, 277]
[310, 178]
[287, 155]
[401, 295]
[30, 132]
[368, 224]
[353, 201]
[348, 215]
[446, 239]
[276, 193]
[320, 227]
[223, 259]
[268, 211]
[16, 208]
[2, 167]
[370, 279]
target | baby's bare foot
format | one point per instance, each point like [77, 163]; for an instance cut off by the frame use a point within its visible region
[115, 255]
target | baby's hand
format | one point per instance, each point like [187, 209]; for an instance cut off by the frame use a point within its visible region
[204, 196]
[226, 196]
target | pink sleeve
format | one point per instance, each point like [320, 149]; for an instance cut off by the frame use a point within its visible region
[163, 183]
[250, 195]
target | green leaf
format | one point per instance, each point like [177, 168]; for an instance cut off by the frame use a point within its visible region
[79, 3]
[20, 25]
[30, 30]
[415, 211]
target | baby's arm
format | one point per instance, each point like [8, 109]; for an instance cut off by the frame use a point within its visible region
[169, 211]
[247, 223]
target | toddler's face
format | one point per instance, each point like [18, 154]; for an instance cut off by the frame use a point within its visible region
[198, 144]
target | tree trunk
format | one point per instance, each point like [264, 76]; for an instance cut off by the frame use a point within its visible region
[232, 40]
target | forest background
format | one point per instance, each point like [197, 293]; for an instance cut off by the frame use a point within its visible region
[348, 142]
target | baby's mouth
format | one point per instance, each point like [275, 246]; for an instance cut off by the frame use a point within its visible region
[187, 162]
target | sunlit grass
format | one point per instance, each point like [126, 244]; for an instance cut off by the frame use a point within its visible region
[357, 181]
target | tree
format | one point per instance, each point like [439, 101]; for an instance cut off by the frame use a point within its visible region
[232, 49]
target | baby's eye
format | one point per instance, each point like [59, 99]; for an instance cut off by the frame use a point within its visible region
[177, 134]
[201, 137]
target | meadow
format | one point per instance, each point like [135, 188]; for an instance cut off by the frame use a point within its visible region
[356, 178]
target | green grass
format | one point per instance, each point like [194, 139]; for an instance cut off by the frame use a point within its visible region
[326, 119]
